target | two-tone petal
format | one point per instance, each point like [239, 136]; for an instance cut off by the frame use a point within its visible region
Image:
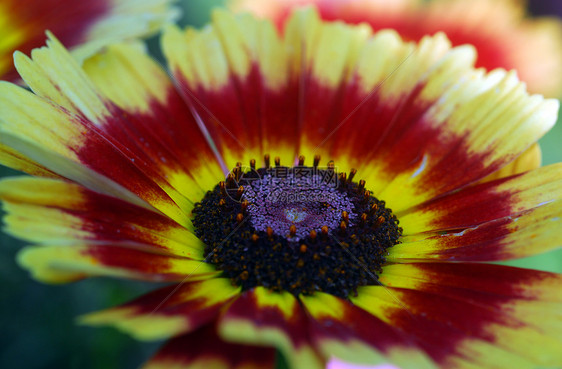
[504, 219]
[82, 233]
[352, 334]
[472, 315]
[264, 317]
[170, 311]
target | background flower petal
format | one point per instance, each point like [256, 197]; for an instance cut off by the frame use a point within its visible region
[85, 25]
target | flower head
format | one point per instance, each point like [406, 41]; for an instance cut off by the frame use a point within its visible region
[349, 224]
[84, 25]
[499, 29]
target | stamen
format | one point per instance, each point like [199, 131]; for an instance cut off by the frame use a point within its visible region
[313, 235]
[343, 226]
[352, 174]
[266, 161]
[293, 230]
[316, 161]
[277, 161]
[239, 217]
[380, 220]
[301, 160]
[239, 192]
[230, 181]
[363, 218]
[366, 195]
[253, 164]
[342, 180]
[244, 275]
[238, 171]
[361, 186]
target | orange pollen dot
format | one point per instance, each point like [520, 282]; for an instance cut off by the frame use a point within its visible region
[313, 234]
[293, 230]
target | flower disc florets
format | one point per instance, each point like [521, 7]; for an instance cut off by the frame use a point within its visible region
[300, 229]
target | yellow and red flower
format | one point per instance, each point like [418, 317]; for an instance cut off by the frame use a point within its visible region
[84, 25]
[130, 182]
[503, 34]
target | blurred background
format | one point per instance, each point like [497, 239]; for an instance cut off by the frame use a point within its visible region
[37, 321]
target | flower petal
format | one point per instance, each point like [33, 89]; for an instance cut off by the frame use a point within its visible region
[464, 132]
[518, 235]
[61, 264]
[160, 126]
[169, 311]
[529, 160]
[485, 202]
[240, 87]
[472, 315]
[15, 160]
[85, 25]
[508, 218]
[204, 349]
[48, 211]
[347, 332]
[264, 317]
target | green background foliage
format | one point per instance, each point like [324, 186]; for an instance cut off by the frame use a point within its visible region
[37, 321]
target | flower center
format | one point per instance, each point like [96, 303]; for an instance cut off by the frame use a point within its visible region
[298, 229]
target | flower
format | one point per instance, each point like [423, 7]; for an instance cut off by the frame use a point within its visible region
[84, 25]
[503, 34]
[378, 264]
